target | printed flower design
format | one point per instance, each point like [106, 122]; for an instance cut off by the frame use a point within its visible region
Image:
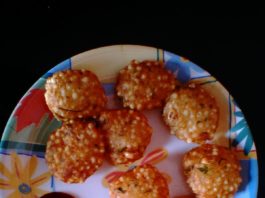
[244, 132]
[153, 157]
[31, 110]
[182, 67]
[19, 179]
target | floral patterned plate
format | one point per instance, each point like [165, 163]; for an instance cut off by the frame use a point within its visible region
[23, 172]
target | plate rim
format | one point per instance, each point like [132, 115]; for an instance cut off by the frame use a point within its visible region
[110, 48]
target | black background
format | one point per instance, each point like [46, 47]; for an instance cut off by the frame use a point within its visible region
[39, 36]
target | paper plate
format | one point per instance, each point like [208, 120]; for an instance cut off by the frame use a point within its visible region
[23, 172]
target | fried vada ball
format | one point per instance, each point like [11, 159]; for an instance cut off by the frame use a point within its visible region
[191, 114]
[212, 171]
[75, 151]
[74, 94]
[144, 85]
[141, 182]
[127, 134]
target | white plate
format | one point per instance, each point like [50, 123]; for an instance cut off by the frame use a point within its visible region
[23, 170]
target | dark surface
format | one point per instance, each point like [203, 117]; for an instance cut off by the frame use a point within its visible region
[32, 46]
[57, 195]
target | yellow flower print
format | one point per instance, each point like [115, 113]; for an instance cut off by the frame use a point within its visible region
[19, 179]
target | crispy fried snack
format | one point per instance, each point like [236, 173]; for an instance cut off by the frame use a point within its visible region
[74, 94]
[75, 151]
[212, 171]
[127, 134]
[142, 182]
[191, 114]
[144, 85]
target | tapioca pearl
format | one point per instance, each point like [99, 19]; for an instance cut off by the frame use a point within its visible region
[85, 79]
[62, 90]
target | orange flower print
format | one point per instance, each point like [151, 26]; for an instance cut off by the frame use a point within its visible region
[20, 179]
[28, 114]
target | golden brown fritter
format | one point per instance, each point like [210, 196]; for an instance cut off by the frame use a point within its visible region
[74, 94]
[144, 85]
[141, 182]
[75, 151]
[191, 114]
[127, 135]
[212, 171]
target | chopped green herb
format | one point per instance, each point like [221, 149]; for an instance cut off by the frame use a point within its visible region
[203, 169]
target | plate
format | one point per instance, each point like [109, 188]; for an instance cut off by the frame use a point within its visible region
[23, 172]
